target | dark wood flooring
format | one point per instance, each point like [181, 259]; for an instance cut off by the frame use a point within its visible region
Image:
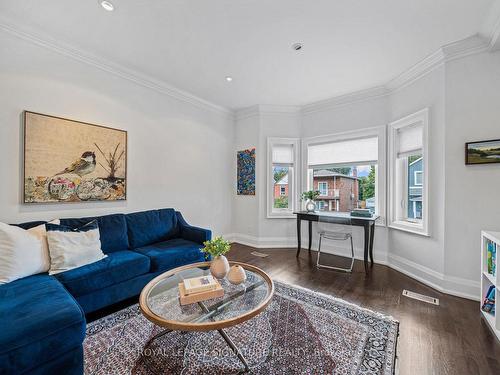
[447, 339]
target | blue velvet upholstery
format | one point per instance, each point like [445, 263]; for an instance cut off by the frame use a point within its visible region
[39, 321]
[118, 266]
[172, 253]
[190, 233]
[112, 228]
[118, 292]
[42, 327]
[148, 227]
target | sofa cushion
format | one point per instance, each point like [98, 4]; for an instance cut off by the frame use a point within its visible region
[148, 227]
[172, 253]
[118, 266]
[113, 230]
[39, 321]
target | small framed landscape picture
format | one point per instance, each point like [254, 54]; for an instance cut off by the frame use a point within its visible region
[483, 152]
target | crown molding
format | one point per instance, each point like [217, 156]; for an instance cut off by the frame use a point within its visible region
[115, 69]
[491, 27]
[267, 109]
[337, 101]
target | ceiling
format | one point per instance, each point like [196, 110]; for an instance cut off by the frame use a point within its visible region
[193, 45]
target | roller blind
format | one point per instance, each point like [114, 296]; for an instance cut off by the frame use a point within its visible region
[409, 140]
[343, 152]
[282, 154]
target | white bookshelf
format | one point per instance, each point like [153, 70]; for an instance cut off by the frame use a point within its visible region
[487, 279]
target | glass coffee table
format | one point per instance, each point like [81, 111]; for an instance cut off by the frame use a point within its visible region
[159, 302]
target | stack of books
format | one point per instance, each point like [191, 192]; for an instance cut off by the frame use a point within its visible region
[489, 301]
[199, 289]
[361, 212]
[491, 251]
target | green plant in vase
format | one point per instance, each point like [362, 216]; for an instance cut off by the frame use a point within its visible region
[310, 196]
[217, 247]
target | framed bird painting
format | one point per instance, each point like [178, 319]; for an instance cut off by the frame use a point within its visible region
[72, 161]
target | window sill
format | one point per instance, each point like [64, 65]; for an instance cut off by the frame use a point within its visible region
[409, 227]
[284, 215]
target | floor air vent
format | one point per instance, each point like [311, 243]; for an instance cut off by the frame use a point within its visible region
[421, 297]
[260, 255]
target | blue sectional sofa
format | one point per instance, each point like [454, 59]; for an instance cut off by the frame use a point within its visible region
[42, 317]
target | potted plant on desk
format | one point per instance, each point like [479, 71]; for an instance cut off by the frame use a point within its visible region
[309, 197]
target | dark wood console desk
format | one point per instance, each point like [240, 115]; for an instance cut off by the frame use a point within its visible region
[368, 223]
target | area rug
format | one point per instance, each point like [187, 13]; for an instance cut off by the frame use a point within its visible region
[301, 332]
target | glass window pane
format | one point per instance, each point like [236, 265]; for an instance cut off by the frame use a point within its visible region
[344, 188]
[281, 187]
[414, 194]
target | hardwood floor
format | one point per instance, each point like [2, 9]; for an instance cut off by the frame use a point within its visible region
[447, 339]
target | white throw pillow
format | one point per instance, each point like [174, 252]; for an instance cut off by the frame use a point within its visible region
[71, 248]
[41, 232]
[21, 253]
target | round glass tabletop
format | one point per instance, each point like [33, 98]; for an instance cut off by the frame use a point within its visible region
[159, 300]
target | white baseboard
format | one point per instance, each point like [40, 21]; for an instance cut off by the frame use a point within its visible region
[452, 285]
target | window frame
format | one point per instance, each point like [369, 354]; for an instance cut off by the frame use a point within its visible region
[282, 213]
[398, 190]
[322, 183]
[381, 178]
[418, 173]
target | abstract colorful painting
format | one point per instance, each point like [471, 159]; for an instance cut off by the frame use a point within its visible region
[72, 161]
[246, 172]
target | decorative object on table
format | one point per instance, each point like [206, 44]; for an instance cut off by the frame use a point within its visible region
[246, 172]
[217, 247]
[489, 301]
[361, 212]
[72, 161]
[351, 338]
[189, 298]
[482, 152]
[309, 197]
[199, 284]
[236, 275]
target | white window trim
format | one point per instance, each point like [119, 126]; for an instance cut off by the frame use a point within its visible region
[378, 131]
[282, 191]
[285, 213]
[421, 227]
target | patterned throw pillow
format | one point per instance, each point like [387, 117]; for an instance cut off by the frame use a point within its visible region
[73, 247]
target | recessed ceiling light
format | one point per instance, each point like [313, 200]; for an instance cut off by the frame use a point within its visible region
[107, 5]
[297, 46]
[229, 78]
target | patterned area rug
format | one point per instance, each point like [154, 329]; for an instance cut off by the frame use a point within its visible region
[301, 332]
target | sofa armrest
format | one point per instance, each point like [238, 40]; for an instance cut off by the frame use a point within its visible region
[191, 233]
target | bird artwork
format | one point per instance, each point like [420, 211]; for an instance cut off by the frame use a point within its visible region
[85, 165]
[90, 161]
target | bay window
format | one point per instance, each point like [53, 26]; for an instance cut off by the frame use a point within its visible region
[282, 177]
[408, 173]
[347, 169]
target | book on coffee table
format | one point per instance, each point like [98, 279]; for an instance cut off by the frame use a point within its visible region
[199, 284]
[186, 299]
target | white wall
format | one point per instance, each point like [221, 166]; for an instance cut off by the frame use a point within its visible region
[472, 192]
[179, 155]
[423, 256]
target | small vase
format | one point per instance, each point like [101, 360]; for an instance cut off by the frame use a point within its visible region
[236, 275]
[219, 267]
[310, 206]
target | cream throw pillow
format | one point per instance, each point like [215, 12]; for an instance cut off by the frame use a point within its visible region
[71, 248]
[41, 232]
[21, 253]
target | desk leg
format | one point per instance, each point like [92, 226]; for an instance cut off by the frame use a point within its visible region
[367, 245]
[310, 235]
[372, 235]
[298, 236]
